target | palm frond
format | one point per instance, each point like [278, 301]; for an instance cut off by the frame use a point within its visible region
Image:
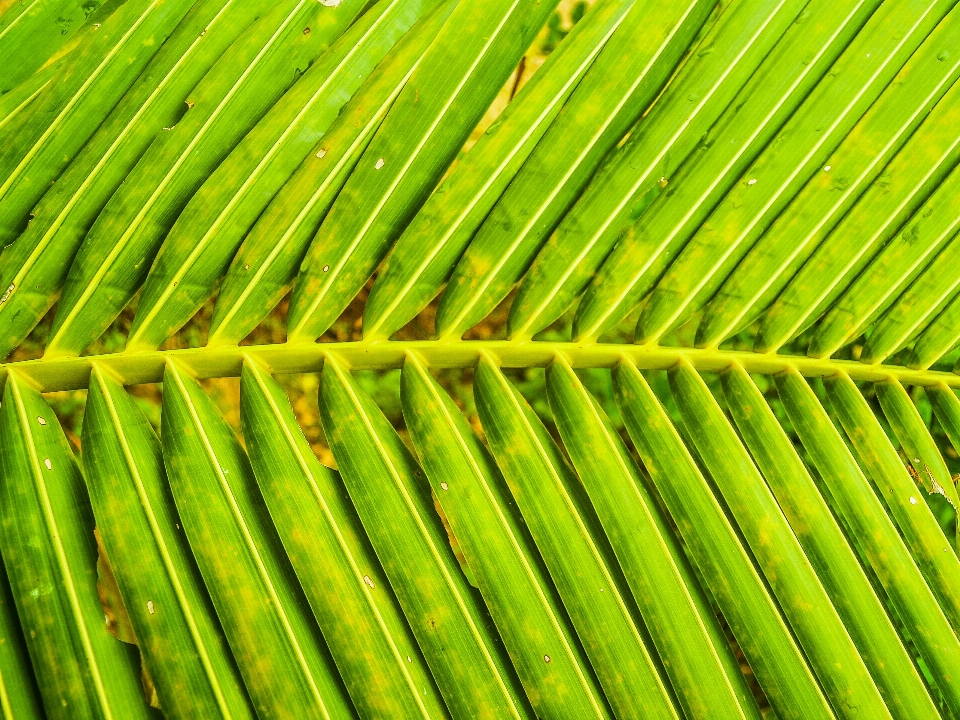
[695, 462]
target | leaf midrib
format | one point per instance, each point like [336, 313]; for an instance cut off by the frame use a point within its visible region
[73, 373]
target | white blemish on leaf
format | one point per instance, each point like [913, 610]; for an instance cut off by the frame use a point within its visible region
[546, 658]
[326, 268]
[150, 608]
[367, 580]
[330, 3]
[752, 181]
[379, 164]
[8, 293]
[321, 152]
[827, 168]
[913, 500]
[41, 420]
[444, 486]
[48, 464]
[409, 659]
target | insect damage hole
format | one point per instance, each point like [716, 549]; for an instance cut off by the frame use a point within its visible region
[321, 152]
[41, 420]
[444, 486]
[546, 658]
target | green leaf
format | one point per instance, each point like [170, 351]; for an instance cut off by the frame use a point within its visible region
[921, 301]
[565, 528]
[358, 613]
[175, 625]
[240, 88]
[940, 337]
[393, 500]
[51, 559]
[895, 268]
[921, 532]
[739, 590]
[799, 150]
[19, 697]
[853, 500]
[704, 673]
[424, 255]
[17, 100]
[83, 93]
[33, 33]
[805, 604]
[484, 519]
[929, 468]
[827, 550]
[767, 184]
[855, 166]
[267, 262]
[36, 264]
[446, 96]
[198, 249]
[265, 617]
[817, 281]
[633, 174]
[623, 82]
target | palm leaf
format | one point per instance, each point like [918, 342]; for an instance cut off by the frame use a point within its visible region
[757, 197]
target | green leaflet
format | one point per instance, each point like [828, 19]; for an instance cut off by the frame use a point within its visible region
[176, 628]
[632, 68]
[894, 196]
[265, 617]
[36, 264]
[921, 301]
[704, 673]
[17, 100]
[919, 447]
[93, 80]
[268, 260]
[565, 528]
[712, 541]
[854, 166]
[921, 532]
[197, 251]
[897, 265]
[939, 338]
[947, 409]
[458, 77]
[828, 551]
[780, 84]
[484, 519]
[632, 175]
[377, 655]
[240, 88]
[830, 652]
[392, 498]
[872, 60]
[867, 524]
[681, 275]
[425, 253]
[51, 559]
[32, 33]
[19, 697]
